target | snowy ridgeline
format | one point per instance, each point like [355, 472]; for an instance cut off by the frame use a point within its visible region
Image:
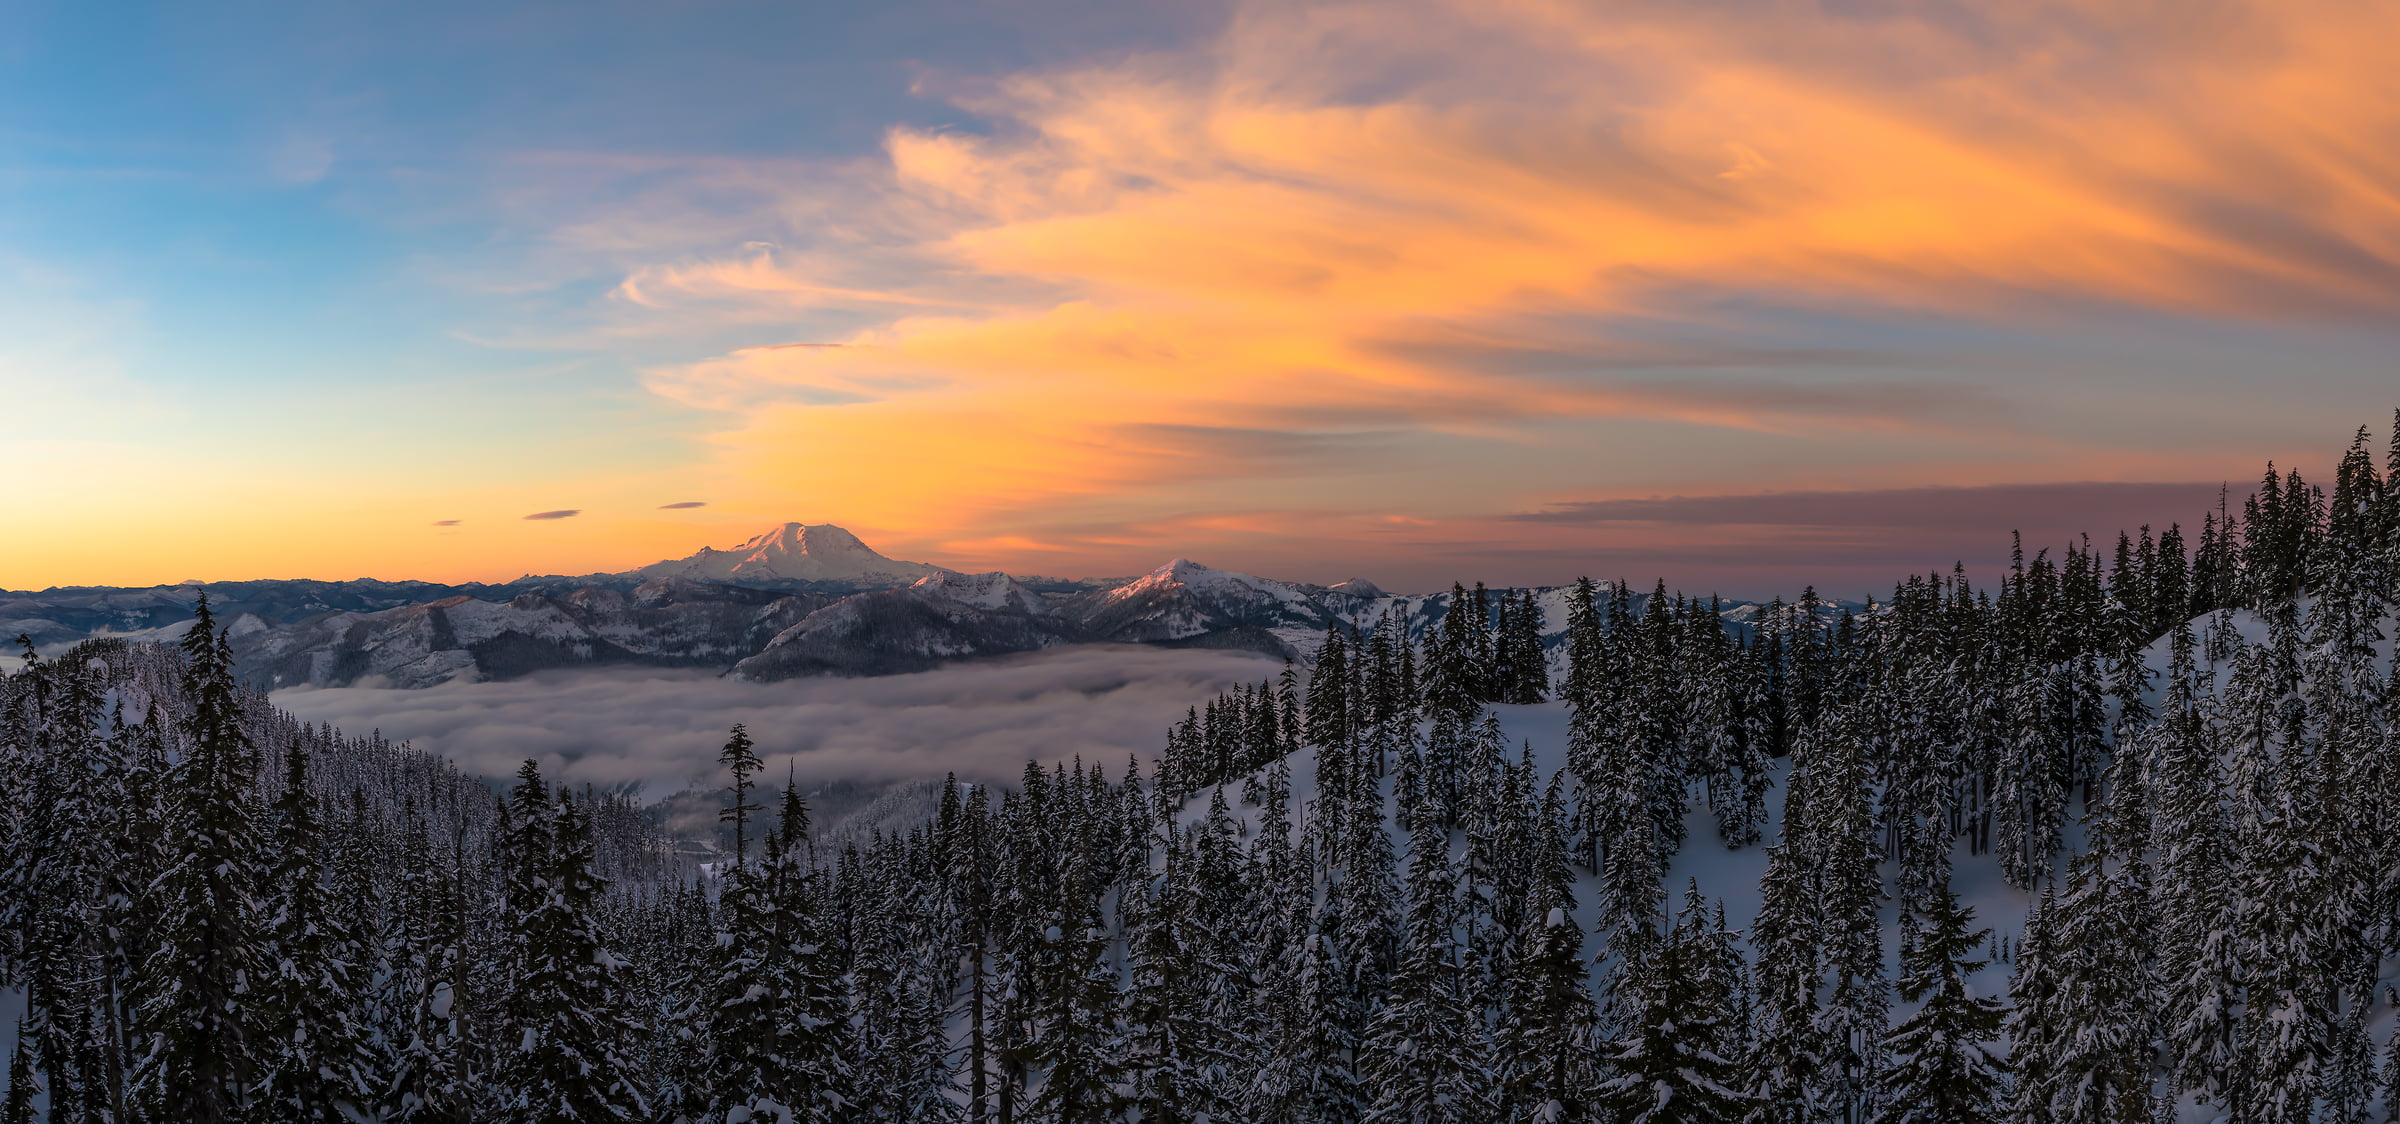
[1402, 889]
[296, 634]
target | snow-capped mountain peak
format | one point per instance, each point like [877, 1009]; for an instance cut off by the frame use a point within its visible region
[1204, 580]
[799, 552]
[994, 590]
[1181, 571]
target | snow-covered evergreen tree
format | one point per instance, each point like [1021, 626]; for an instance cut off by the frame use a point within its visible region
[16, 1105]
[2200, 975]
[314, 1054]
[201, 1029]
[1427, 1058]
[568, 1060]
[1942, 1068]
[432, 1046]
[1852, 1023]
[1076, 1041]
[1788, 1051]
[1675, 1054]
[1550, 1032]
[804, 974]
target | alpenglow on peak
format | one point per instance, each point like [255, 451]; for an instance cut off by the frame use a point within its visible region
[799, 552]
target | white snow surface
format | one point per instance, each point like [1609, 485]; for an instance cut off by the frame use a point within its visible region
[994, 590]
[1722, 875]
[1211, 581]
[1732, 876]
[794, 552]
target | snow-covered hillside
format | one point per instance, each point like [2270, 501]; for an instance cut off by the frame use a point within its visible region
[799, 599]
[793, 553]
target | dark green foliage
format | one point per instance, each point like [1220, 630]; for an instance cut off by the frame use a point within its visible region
[1943, 1069]
[1426, 1058]
[16, 1106]
[201, 1033]
[1676, 1053]
[740, 758]
[314, 1052]
[568, 1061]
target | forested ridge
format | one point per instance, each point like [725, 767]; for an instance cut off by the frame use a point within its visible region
[1340, 897]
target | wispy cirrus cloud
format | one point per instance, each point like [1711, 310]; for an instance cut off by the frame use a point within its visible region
[1854, 543]
[2099, 508]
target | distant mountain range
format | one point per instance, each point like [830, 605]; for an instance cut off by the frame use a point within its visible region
[797, 600]
[795, 553]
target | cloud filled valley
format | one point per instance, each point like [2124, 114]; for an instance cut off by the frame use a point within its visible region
[661, 728]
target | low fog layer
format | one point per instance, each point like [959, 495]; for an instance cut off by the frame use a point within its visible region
[662, 729]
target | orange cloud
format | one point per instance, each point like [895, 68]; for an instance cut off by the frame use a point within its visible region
[1343, 220]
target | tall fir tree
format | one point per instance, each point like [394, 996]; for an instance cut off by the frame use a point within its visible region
[1787, 1052]
[200, 1028]
[316, 1054]
[2198, 962]
[1676, 1054]
[1427, 1055]
[1852, 1023]
[16, 1105]
[433, 1047]
[1551, 1029]
[1076, 1041]
[568, 1064]
[1943, 1069]
[1159, 1008]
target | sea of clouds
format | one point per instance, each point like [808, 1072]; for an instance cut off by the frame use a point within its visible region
[662, 729]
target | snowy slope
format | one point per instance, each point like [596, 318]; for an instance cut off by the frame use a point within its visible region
[995, 591]
[1727, 875]
[941, 618]
[1733, 876]
[462, 638]
[794, 552]
[1186, 603]
[724, 608]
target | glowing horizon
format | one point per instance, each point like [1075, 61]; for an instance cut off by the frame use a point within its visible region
[1407, 291]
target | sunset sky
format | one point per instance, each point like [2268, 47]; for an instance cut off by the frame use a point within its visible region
[1410, 289]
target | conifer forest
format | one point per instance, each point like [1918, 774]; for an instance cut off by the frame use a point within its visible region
[2110, 838]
